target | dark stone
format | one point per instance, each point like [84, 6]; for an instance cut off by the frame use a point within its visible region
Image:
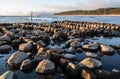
[88, 74]
[73, 70]
[5, 49]
[63, 63]
[45, 67]
[26, 65]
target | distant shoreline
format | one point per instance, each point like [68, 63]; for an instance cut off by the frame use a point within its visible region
[86, 15]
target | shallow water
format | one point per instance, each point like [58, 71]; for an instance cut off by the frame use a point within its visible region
[109, 62]
[38, 19]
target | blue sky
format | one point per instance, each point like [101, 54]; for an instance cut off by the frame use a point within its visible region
[23, 7]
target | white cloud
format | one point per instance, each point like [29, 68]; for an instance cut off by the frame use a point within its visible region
[83, 5]
[8, 13]
[23, 7]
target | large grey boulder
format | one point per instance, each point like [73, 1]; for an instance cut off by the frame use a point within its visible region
[17, 58]
[69, 42]
[5, 48]
[45, 67]
[69, 56]
[90, 54]
[1, 34]
[75, 44]
[5, 38]
[25, 47]
[8, 75]
[73, 70]
[88, 74]
[41, 55]
[91, 63]
[71, 50]
[91, 47]
[26, 65]
[57, 49]
[107, 50]
[115, 74]
[41, 43]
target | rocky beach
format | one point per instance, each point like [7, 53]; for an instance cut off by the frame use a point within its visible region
[64, 49]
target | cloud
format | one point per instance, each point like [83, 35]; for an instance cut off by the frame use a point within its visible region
[23, 7]
[18, 13]
[82, 5]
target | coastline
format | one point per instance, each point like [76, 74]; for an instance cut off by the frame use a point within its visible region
[86, 15]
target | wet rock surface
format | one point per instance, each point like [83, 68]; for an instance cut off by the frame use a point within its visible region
[5, 48]
[8, 75]
[25, 47]
[91, 47]
[27, 65]
[45, 67]
[60, 50]
[41, 55]
[17, 58]
[91, 63]
[107, 49]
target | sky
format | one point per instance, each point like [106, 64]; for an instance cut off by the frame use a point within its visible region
[24, 7]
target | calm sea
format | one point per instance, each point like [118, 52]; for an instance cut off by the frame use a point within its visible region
[38, 19]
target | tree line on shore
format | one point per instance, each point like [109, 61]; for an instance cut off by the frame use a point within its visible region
[101, 11]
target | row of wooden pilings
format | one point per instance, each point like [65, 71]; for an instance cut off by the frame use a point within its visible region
[82, 28]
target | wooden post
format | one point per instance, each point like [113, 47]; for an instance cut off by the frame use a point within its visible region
[31, 16]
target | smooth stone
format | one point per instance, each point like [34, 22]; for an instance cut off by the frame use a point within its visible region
[73, 70]
[15, 43]
[1, 34]
[88, 74]
[63, 63]
[59, 36]
[8, 75]
[71, 50]
[55, 57]
[115, 74]
[57, 49]
[91, 63]
[29, 35]
[3, 43]
[10, 34]
[69, 56]
[45, 67]
[79, 50]
[41, 55]
[41, 43]
[90, 54]
[25, 47]
[69, 42]
[79, 39]
[91, 47]
[26, 65]
[107, 50]
[14, 30]
[71, 37]
[75, 44]
[16, 58]
[5, 38]
[5, 48]
[115, 46]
